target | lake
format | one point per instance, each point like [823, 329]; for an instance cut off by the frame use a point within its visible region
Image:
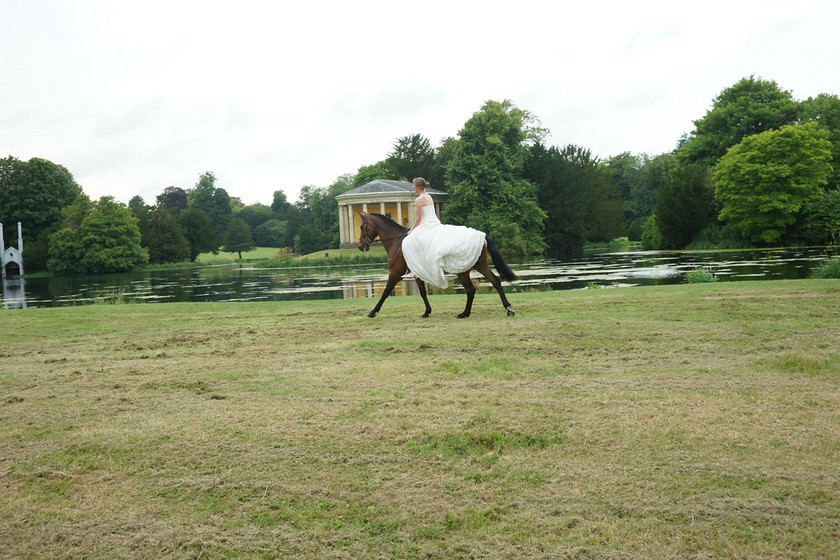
[243, 282]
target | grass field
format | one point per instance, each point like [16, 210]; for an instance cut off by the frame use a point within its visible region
[694, 421]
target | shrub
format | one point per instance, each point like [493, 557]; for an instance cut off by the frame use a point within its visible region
[827, 269]
[651, 235]
[701, 275]
[716, 236]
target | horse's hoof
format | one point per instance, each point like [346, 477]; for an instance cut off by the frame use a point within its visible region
[510, 312]
[372, 314]
[463, 315]
[424, 315]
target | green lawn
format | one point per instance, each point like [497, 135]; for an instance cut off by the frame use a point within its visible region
[260, 253]
[691, 421]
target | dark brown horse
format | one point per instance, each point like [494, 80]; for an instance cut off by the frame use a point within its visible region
[391, 234]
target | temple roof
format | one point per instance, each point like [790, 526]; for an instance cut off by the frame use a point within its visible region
[379, 186]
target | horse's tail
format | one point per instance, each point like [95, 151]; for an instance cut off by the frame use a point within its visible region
[501, 266]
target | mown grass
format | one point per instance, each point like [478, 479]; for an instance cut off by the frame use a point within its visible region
[690, 421]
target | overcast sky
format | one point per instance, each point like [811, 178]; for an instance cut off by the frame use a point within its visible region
[133, 97]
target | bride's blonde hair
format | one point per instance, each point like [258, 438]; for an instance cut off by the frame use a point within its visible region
[421, 182]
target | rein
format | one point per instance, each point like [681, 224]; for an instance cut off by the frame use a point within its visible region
[395, 237]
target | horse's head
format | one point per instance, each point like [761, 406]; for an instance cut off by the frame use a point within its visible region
[368, 233]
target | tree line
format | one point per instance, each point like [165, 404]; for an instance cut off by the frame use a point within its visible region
[759, 168]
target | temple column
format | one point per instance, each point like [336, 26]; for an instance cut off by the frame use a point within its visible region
[342, 228]
[348, 218]
[351, 222]
[412, 215]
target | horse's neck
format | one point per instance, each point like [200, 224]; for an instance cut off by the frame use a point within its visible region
[390, 233]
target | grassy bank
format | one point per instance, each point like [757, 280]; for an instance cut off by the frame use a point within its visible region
[271, 257]
[692, 421]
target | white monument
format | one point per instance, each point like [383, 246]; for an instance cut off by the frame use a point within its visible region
[12, 259]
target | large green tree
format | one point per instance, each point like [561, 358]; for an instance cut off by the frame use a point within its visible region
[685, 205]
[485, 179]
[213, 201]
[107, 240]
[164, 237]
[33, 193]
[764, 182]
[412, 156]
[825, 111]
[199, 232]
[750, 106]
[575, 192]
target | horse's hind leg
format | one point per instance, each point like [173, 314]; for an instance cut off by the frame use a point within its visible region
[469, 288]
[497, 283]
[422, 286]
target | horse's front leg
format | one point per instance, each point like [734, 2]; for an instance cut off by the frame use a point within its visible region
[469, 288]
[393, 278]
[422, 286]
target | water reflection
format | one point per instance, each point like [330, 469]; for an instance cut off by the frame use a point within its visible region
[245, 283]
[14, 293]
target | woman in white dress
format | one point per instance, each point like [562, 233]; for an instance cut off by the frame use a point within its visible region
[432, 248]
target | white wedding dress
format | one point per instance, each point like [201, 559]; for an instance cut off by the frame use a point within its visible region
[433, 248]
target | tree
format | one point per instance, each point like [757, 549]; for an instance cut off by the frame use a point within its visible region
[825, 111]
[199, 232]
[626, 173]
[164, 237]
[33, 193]
[412, 156]
[750, 106]
[137, 206]
[639, 178]
[764, 182]
[238, 237]
[256, 214]
[272, 233]
[310, 239]
[107, 240]
[173, 199]
[280, 206]
[213, 201]
[443, 155]
[368, 173]
[823, 216]
[488, 191]
[319, 209]
[685, 205]
[574, 191]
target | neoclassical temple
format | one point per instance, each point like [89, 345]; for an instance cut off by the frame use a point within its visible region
[394, 199]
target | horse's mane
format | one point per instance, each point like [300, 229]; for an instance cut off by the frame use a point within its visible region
[388, 221]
